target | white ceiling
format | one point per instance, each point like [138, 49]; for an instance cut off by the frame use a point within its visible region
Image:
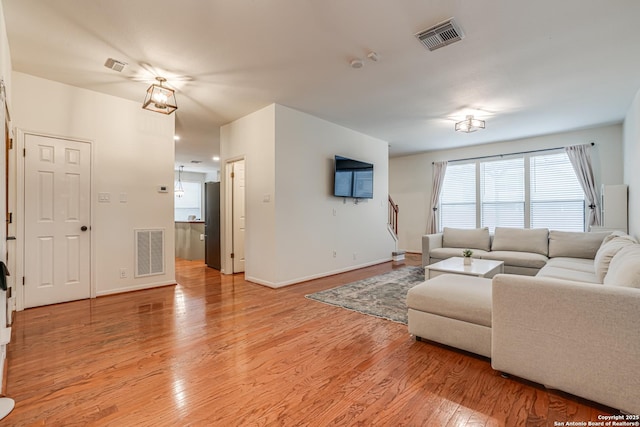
[526, 67]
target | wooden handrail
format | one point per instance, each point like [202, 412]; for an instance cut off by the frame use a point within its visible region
[393, 215]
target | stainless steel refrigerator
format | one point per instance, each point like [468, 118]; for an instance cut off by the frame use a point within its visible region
[212, 225]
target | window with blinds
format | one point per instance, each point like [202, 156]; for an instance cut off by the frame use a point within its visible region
[557, 199]
[534, 191]
[502, 193]
[458, 197]
[190, 204]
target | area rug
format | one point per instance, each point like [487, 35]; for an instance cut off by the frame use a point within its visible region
[381, 296]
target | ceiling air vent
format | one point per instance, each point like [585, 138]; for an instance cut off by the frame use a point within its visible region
[443, 34]
[114, 64]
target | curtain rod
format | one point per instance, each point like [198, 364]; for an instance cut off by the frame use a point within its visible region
[509, 154]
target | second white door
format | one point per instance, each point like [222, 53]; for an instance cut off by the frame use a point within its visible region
[238, 215]
[57, 213]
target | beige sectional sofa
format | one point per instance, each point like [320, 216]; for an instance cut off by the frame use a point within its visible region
[524, 251]
[572, 327]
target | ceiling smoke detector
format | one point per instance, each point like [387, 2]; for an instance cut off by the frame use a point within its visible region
[356, 63]
[441, 35]
[114, 64]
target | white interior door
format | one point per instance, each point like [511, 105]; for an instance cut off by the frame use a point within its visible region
[239, 221]
[57, 255]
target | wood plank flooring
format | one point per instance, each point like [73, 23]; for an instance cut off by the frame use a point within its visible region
[219, 351]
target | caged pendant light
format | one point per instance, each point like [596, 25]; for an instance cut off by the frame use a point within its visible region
[160, 99]
[179, 191]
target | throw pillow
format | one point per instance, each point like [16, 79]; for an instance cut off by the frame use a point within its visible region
[606, 253]
[624, 269]
[574, 244]
[617, 233]
[534, 240]
[475, 238]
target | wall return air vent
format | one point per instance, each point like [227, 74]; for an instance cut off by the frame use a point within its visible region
[441, 35]
[149, 251]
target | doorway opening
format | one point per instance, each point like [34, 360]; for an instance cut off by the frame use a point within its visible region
[235, 215]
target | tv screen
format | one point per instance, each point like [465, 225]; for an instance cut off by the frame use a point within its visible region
[353, 178]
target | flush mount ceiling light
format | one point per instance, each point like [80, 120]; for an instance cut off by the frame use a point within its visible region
[160, 99]
[179, 191]
[469, 125]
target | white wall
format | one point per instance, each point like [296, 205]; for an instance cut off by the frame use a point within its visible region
[292, 231]
[5, 56]
[632, 164]
[253, 138]
[133, 153]
[410, 176]
[212, 176]
[307, 231]
[5, 76]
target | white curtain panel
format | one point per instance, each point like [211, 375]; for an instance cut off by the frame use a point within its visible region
[439, 170]
[580, 157]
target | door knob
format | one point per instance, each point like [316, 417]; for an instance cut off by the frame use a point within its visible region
[83, 228]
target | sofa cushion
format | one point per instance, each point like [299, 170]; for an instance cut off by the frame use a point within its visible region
[517, 259]
[534, 240]
[624, 269]
[455, 296]
[568, 274]
[575, 244]
[444, 253]
[578, 264]
[606, 253]
[475, 238]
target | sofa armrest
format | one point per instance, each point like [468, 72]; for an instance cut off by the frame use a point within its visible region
[577, 337]
[430, 241]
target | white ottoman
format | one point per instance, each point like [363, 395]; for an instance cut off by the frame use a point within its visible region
[454, 310]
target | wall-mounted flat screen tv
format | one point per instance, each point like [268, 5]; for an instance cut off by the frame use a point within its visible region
[353, 178]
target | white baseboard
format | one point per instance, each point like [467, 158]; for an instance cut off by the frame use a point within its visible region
[135, 288]
[398, 256]
[314, 276]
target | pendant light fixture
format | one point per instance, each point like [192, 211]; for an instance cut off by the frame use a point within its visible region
[469, 125]
[179, 190]
[160, 99]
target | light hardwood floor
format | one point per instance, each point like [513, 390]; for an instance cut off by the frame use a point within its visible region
[220, 351]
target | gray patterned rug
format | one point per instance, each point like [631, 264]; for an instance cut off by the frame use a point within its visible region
[381, 296]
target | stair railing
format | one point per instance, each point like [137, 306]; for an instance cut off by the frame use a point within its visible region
[393, 216]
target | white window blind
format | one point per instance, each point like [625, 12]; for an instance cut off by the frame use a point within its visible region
[557, 200]
[502, 193]
[458, 197]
